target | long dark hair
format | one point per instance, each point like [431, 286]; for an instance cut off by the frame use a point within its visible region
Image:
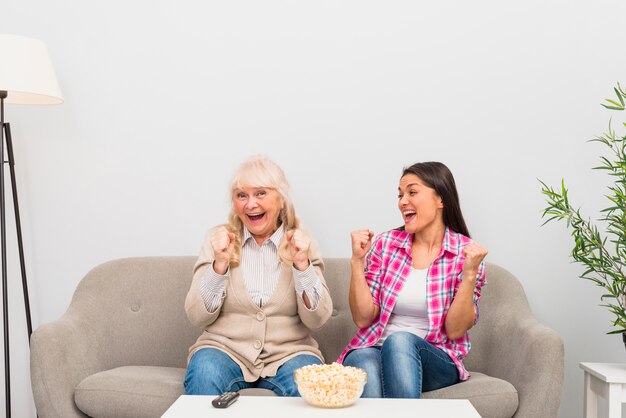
[439, 177]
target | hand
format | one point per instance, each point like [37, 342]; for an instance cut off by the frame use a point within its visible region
[361, 243]
[474, 254]
[299, 244]
[223, 243]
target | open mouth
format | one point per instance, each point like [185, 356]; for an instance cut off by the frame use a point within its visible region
[408, 216]
[255, 217]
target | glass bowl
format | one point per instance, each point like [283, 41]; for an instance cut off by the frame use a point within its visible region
[330, 385]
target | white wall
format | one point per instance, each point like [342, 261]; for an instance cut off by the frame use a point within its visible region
[164, 98]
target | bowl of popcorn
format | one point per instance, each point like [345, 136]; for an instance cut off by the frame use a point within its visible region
[330, 385]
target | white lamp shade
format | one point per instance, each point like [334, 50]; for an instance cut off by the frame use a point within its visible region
[26, 72]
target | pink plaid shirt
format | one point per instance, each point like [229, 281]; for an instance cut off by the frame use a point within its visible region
[387, 266]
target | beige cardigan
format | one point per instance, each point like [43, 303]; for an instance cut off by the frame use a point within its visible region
[258, 339]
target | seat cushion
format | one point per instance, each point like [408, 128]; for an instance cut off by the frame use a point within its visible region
[492, 397]
[135, 391]
[146, 391]
[130, 391]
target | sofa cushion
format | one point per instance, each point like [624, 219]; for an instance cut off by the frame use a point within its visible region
[145, 391]
[492, 397]
[130, 391]
[135, 391]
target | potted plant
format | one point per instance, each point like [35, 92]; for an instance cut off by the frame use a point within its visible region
[602, 253]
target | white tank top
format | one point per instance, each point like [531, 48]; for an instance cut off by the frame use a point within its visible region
[410, 312]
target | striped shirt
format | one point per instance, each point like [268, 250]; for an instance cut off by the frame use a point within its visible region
[261, 271]
[387, 266]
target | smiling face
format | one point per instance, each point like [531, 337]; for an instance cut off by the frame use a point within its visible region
[259, 209]
[420, 205]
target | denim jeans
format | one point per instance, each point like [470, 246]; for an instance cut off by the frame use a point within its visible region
[212, 372]
[404, 367]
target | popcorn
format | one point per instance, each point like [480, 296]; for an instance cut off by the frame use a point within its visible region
[330, 385]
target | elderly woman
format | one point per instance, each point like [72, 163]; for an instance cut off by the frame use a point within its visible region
[257, 291]
[414, 290]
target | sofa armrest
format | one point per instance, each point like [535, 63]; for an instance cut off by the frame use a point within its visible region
[530, 356]
[62, 354]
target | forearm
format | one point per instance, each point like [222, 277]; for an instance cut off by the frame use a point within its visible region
[203, 306]
[461, 315]
[363, 308]
[196, 309]
[308, 286]
[314, 316]
[212, 288]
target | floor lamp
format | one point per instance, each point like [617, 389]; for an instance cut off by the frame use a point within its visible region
[26, 77]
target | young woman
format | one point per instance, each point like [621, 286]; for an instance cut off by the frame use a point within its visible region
[414, 291]
[257, 292]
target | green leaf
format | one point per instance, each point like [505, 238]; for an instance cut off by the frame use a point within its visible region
[613, 107]
[619, 96]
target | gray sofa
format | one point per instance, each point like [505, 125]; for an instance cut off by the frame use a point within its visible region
[120, 350]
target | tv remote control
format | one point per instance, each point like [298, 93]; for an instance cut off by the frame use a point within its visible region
[225, 400]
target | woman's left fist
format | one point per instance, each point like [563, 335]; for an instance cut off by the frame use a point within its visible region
[474, 255]
[299, 244]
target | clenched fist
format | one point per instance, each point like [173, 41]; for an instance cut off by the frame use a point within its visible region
[474, 254]
[299, 244]
[223, 243]
[361, 243]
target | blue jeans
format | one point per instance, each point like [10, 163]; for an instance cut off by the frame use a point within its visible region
[211, 372]
[404, 367]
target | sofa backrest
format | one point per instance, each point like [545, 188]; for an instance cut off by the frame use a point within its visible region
[503, 304]
[136, 308]
[340, 328]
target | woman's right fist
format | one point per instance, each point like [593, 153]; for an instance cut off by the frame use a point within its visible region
[223, 243]
[361, 243]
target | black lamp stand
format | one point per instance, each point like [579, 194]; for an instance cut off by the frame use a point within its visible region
[6, 139]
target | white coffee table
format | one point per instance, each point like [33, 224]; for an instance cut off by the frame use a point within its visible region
[195, 406]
